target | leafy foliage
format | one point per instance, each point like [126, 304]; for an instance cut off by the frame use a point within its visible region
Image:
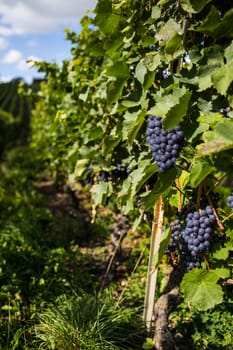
[208, 329]
[131, 60]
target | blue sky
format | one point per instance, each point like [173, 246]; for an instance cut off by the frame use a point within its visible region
[35, 30]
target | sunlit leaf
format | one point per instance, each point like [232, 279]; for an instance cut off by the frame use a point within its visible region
[219, 139]
[200, 289]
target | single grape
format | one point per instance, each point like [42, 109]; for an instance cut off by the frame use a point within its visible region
[230, 201]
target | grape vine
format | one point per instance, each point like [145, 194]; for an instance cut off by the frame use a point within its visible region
[157, 74]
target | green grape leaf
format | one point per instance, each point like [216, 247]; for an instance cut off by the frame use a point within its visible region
[176, 113]
[173, 45]
[166, 237]
[140, 72]
[119, 70]
[222, 253]
[137, 221]
[151, 61]
[228, 53]
[173, 106]
[162, 186]
[200, 289]
[125, 191]
[114, 90]
[112, 46]
[193, 6]
[109, 143]
[222, 272]
[132, 124]
[167, 31]
[222, 78]
[219, 139]
[128, 206]
[136, 180]
[141, 175]
[80, 167]
[105, 19]
[156, 12]
[100, 192]
[201, 167]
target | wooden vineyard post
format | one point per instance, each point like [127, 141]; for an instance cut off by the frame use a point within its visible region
[157, 229]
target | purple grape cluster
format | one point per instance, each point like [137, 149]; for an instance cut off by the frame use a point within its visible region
[176, 230]
[165, 145]
[194, 238]
[197, 235]
[230, 201]
[104, 176]
[121, 172]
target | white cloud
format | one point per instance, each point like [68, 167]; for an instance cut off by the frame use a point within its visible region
[3, 43]
[24, 65]
[12, 56]
[5, 31]
[32, 43]
[41, 16]
[5, 78]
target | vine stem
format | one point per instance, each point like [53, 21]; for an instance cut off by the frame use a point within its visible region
[179, 195]
[156, 234]
[220, 225]
[199, 192]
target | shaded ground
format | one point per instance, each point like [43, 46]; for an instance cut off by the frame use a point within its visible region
[105, 248]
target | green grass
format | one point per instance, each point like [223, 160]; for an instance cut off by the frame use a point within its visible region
[90, 322]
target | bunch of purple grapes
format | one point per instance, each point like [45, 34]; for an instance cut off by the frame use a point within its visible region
[176, 230]
[230, 201]
[197, 234]
[121, 172]
[165, 145]
[193, 238]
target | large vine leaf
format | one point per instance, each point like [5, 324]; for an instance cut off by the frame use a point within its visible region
[200, 289]
[105, 19]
